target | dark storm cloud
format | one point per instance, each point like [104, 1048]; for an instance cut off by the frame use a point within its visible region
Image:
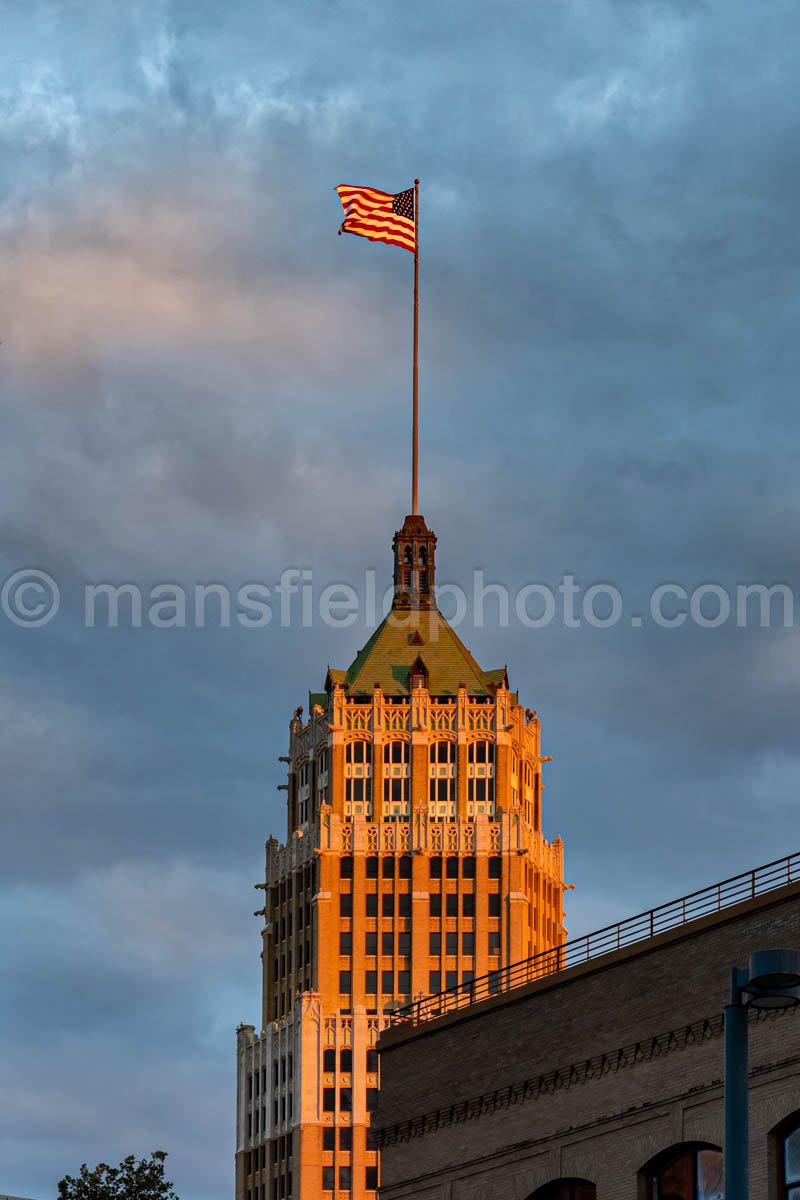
[201, 382]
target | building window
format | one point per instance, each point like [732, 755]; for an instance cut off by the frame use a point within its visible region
[387, 869]
[372, 904]
[345, 943]
[452, 867]
[689, 1172]
[452, 904]
[387, 904]
[371, 943]
[468, 943]
[345, 904]
[329, 1138]
[435, 982]
[371, 1181]
[494, 904]
[345, 1139]
[468, 904]
[480, 778]
[328, 1062]
[527, 793]
[372, 1099]
[329, 1099]
[344, 1179]
[387, 982]
[408, 568]
[346, 867]
[345, 983]
[372, 1062]
[436, 905]
[435, 944]
[442, 779]
[404, 944]
[396, 780]
[387, 943]
[495, 867]
[451, 943]
[322, 778]
[422, 561]
[789, 1159]
[372, 867]
[346, 1060]
[404, 904]
[304, 794]
[371, 983]
[404, 983]
[358, 779]
[494, 943]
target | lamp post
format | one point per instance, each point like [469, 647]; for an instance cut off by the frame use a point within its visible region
[770, 980]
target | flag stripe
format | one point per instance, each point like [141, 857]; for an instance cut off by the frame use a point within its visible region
[345, 189]
[377, 221]
[378, 227]
[386, 238]
[367, 205]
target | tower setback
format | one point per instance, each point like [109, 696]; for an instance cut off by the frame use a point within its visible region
[414, 861]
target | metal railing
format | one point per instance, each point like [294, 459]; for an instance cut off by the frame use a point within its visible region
[593, 946]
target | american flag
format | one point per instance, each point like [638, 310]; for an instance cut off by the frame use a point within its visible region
[379, 216]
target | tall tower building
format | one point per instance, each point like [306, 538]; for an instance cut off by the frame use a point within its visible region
[414, 861]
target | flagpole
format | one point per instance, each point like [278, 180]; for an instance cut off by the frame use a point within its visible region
[415, 422]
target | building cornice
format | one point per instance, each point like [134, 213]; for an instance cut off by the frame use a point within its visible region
[575, 1074]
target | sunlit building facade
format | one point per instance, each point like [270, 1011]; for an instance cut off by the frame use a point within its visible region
[414, 862]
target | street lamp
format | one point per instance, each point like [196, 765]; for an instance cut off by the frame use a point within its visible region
[770, 980]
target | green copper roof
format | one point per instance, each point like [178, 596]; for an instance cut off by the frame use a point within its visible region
[399, 641]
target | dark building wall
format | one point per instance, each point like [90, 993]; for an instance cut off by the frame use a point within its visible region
[591, 1073]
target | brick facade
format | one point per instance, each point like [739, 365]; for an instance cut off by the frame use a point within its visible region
[590, 1073]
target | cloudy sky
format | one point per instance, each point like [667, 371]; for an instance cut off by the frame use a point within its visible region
[201, 383]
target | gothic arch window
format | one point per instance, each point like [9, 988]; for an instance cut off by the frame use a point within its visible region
[422, 561]
[787, 1137]
[358, 778]
[304, 793]
[442, 779]
[692, 1171]
[565, 1189]
[527, 793]
[418, 674]
[514, 779]
[396, 781]
[408, 568]
[322, 779]
[480, 777]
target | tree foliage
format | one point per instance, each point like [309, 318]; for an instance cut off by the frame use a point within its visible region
[131, 1180]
